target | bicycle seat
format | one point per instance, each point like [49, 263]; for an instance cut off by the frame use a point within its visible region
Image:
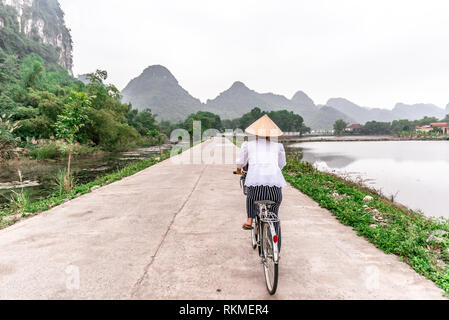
[264, 202]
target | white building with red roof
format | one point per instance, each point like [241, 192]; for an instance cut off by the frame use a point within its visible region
[354, 128]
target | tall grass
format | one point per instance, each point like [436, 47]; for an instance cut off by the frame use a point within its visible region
[20, 199]
[54, 151]
[65, 181]
[47, 151]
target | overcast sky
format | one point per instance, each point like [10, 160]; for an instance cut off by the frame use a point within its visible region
[374, 53]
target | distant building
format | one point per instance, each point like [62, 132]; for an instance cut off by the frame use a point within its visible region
[424, 129]
[322, 131]
[353, 128]
[444, 126]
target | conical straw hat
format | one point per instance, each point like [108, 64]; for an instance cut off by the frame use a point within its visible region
[265, 127]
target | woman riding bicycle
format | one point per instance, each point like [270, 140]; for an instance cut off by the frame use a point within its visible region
[265, 159]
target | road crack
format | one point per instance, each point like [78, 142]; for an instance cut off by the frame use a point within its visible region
[153, 258]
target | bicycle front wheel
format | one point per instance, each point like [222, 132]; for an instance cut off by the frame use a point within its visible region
[270, 264]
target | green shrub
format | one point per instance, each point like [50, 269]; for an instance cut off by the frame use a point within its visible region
[54, 150]
[7, 140]
[46, 151]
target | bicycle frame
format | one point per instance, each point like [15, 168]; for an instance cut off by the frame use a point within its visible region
[265, 216]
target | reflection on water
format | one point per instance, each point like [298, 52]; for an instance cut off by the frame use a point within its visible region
[416, 172]
[39, 177]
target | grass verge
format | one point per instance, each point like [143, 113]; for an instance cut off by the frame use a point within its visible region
[421, 242]
[10, 216]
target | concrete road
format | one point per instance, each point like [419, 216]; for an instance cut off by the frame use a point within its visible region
[173, 231]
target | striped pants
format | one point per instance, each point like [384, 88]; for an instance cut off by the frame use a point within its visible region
[260, 193]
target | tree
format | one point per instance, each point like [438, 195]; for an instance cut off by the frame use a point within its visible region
[34, 91]
[70, 123]
[158, 138]
[340, 126]
[9, 70]
[399, 126]
[166, 127]
[32, 75]
[110, 125]
[7, 139]
[304, 129]
[426, 121]
[374, 127]
[208, 121]
[248, 119]
[144, 122]
[437, 131]
[97, 77]
[230, 124]
[287, 121]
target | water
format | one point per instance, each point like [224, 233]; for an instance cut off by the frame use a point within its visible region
[415, 172]
[39, 176]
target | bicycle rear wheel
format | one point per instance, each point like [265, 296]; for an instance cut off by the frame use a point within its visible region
[255, 233]
[270, 264]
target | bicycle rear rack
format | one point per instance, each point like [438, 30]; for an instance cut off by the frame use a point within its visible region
[269, 217]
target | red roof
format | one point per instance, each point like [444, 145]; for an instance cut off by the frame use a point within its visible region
[439, 125]
[355, 126]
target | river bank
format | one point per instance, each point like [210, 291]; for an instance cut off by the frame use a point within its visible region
[407, 171]
[421, 242]
[13, 212]
[38, 177]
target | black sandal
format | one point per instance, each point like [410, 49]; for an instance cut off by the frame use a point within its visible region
[247, 227]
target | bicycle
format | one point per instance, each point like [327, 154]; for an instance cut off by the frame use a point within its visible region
[265, 237]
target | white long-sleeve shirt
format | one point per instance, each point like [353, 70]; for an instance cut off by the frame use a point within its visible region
[266, 160]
